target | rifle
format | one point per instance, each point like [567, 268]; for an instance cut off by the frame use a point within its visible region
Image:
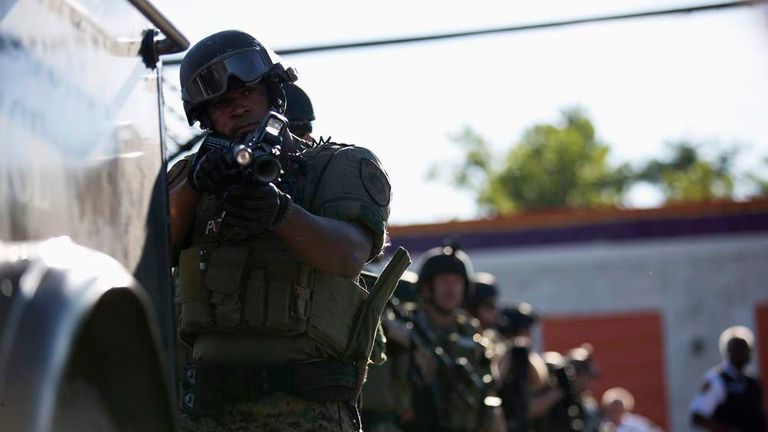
[256, 153]
[515, 392]
[570, 407]
[461, 373]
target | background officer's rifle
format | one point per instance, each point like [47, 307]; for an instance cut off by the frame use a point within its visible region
[570, 410]
[514, 389]
[460, 372]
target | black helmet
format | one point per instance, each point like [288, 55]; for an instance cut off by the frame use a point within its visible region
[299, 106]
[209, 65]
[485, 290]
[447, 259]
[299, 110]
[516, 318]
[406, 288]
[583, 360]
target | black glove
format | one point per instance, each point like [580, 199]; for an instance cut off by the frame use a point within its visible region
[255, 208]
[211, 173]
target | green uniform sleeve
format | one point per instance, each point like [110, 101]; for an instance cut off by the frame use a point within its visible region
[178, 171]
[355, 188]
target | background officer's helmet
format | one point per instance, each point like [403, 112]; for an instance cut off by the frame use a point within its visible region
[299, 105]
[299, 111]
[447, 259]
[485, 291]
[209, 67]
[582, 360]
[516, 319]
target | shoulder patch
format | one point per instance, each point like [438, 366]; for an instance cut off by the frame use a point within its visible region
[375, 182]
[175, 173]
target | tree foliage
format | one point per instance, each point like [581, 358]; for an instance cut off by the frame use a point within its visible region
[551, 166]
[566, 165]
[686, 175]
[758, 182]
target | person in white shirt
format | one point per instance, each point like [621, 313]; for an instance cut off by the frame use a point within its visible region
[617, 404]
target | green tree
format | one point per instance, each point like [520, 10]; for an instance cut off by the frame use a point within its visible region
[759, 183]
[551, 166]
[686, 175]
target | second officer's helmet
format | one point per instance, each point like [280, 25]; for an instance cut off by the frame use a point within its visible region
[299, 105]
[447, 259]
[485, 291]
[208, 67]
[516, 319]
[299, 111]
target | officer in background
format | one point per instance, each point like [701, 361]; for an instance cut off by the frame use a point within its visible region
[482, 306]
[451, 382]
[269, 271]
[526, 390]
[585, 369]
[299, 112]
[729, 399]
[566, 413]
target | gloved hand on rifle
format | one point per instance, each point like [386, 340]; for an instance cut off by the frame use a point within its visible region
[210, 173]
[255, 208]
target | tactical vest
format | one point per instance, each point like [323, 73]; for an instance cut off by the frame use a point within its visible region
[237, 288]
[742, 407]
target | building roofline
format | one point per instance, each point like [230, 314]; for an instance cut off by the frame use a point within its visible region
[580, 226]
[561, 218]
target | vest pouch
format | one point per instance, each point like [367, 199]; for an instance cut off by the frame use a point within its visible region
[195, 297]
[278, 306]
[289, 303]
[224, 279]
[367, 324]
[302, 300]
[255, 300]
[336, 302]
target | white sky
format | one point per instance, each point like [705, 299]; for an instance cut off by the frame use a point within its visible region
[644, 81]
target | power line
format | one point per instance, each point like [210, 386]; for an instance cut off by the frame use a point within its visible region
[524, 27]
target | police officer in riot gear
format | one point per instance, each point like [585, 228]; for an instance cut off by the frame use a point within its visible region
[585, 371]
[452, 383]
[269, 270]
[482, 303]
[730, 399]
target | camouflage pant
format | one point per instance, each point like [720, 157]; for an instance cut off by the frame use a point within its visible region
[276, 413]
[384, 427]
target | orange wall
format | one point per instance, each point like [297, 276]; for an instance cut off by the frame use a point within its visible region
[628, 350]
[761, 334]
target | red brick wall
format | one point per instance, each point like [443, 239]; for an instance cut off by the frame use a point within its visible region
[628, 349]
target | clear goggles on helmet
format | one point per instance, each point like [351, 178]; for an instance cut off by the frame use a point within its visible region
[210, 81]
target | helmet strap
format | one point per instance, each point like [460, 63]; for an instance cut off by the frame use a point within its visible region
[205, 121]
[276, 95]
